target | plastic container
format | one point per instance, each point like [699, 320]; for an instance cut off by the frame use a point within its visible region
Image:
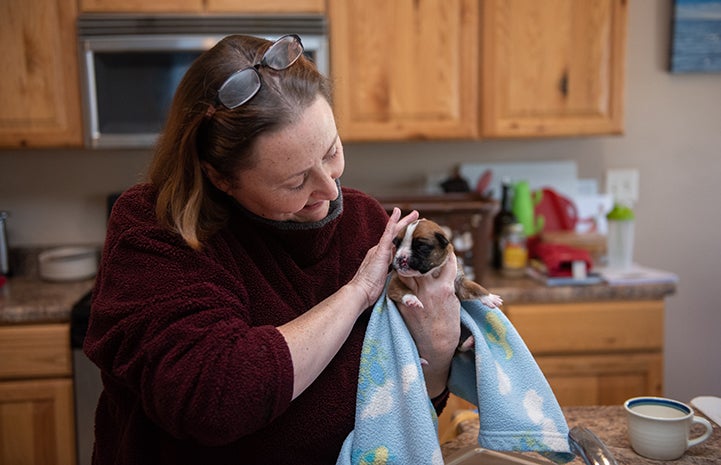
[620, 237]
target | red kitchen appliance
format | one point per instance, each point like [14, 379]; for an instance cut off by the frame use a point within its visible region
[559, 213]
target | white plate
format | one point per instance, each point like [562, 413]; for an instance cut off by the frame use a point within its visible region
[709, 406]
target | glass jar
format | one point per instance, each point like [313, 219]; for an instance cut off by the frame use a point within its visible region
[514, 251]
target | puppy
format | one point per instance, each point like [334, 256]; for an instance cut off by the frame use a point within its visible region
[422, 248]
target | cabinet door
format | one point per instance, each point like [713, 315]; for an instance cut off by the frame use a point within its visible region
[39, 86]
[36, 422]
[603, 379]
[595, 353]
[405, 69]
[553, 67]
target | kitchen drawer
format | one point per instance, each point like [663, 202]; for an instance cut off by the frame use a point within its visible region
[603, 379]
[587, 327]
[35, 351]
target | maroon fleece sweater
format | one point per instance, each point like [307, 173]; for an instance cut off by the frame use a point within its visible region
[193, 366]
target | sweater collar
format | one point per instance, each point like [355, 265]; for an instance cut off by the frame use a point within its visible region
[336, 208]
[306, 243]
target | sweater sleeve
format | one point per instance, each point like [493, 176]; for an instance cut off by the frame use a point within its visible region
[170, 328]
[439, 402]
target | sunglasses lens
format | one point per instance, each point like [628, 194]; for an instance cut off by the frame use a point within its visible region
[244, 84]
[239, 88]
[283, 53]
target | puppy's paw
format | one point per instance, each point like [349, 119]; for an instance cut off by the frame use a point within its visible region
[492, 300]
[409, 300]
[467, 345]
[424, 362]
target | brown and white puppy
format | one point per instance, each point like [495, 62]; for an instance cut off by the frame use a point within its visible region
[421, 249]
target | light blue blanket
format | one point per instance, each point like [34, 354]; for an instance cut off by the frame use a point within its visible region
[395, 420]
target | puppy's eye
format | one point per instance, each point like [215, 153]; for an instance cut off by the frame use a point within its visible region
[422, 245]
[397, 241]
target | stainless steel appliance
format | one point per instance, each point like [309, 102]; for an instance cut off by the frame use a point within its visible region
[130, 65]
[87, 383]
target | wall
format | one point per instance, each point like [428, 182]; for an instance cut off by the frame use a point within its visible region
[673, 136]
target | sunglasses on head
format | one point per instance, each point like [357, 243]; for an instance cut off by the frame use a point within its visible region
[242, 85]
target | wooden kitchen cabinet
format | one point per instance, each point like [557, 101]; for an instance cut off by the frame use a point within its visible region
[595, 353]
[435, 69]
[208, 6]
[267, 6]
[39, 86]
[552, 68]
[37, 424]
[591, 353]
[405, 69]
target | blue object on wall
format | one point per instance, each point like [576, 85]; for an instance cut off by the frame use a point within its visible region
[696, 39]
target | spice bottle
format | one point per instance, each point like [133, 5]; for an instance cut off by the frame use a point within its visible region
[514, 251]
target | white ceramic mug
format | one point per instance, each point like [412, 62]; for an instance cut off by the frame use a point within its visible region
[659, 428]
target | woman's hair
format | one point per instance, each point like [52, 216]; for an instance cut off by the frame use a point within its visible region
[200, 129]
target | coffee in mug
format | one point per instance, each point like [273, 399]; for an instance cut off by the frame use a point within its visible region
[659, 428]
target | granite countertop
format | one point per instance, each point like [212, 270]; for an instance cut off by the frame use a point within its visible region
[609, 424]
[32, 300]
[527, 290]
[26, 300]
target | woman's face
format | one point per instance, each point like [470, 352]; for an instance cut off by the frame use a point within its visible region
[296, 168]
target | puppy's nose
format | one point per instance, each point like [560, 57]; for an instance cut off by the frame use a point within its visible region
[402, 261]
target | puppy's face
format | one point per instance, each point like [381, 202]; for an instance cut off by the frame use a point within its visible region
[420, 248]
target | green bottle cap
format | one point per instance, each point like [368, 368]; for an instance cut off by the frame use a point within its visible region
[620, 213]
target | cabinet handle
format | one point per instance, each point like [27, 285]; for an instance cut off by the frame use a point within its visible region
[563, 84]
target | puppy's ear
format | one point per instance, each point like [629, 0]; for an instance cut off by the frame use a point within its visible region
[442, 239]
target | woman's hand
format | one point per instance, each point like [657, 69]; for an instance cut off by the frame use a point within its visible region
[372, 273]
[436, 328]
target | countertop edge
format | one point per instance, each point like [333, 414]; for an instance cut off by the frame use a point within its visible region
[29, 300]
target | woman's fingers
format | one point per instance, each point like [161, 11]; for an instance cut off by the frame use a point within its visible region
[406, 220]
[395, 225]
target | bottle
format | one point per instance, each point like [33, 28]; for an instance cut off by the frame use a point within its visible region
[504, 218]
[514, 251]
[620, 237]
[4, 260]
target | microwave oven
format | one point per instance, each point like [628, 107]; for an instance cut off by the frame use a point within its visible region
[130, 65]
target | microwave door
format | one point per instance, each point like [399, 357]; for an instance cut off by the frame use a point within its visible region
[128, 81]
[129, 85]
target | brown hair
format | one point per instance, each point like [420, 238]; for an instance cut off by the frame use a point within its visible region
[200, 129]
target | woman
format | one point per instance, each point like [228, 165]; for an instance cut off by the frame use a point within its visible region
[230, 306]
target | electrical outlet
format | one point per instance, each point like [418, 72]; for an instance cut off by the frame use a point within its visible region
[622, 185]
